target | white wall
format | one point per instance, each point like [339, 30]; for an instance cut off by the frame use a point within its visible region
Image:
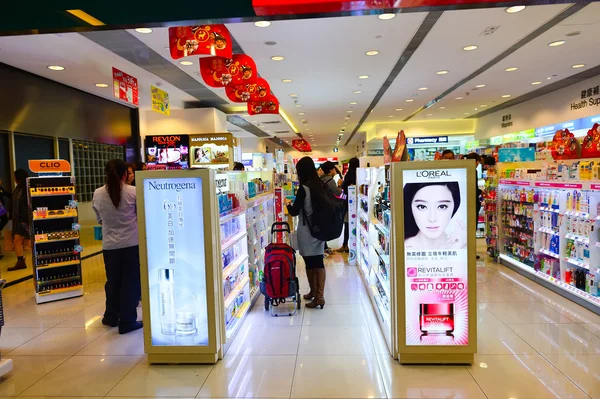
[546, 110]
[345, 152]
[422, 128]
[184, 121]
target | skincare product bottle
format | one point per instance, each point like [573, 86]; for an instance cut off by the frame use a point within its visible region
[437, 318]
[166, 301]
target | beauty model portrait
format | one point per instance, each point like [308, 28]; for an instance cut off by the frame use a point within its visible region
[428, 210]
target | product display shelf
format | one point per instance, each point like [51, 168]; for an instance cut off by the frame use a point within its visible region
[55, 232]
[566, 251]
[374, 242]
[490, 205]
[481, 221]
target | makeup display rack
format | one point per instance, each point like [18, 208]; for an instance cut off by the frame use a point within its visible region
[55, 233]
[373, 242]
[490, 211]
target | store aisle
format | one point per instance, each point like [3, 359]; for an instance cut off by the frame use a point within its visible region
[532, 344]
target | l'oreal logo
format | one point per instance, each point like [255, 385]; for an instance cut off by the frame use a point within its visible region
[433, 174]
[154, 185]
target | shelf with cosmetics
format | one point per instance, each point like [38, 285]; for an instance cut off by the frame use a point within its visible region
[55, 238]
[246, 209]
[490, 211]
[555, 224]
[374, 243]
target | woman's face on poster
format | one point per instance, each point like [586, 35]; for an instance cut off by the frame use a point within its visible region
[432, 209]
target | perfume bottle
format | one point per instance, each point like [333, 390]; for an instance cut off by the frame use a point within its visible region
[166, 301]
[437, 318]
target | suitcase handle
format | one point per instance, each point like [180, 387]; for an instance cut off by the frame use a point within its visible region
[285, 228]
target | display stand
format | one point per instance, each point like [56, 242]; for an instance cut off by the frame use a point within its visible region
[178, 216]
[490, 211]
[433, 229]
[374, 246]
[549, 231]
[55, 231]
[352, 225]
[6, 365]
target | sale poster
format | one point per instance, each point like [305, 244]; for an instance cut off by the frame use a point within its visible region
[125, 87]
[435, 257]
[160, 101]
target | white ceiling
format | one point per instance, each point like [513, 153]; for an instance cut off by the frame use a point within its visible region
[86, 63]
[325, 56]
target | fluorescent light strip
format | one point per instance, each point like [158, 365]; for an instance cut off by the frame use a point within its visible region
[85, 17]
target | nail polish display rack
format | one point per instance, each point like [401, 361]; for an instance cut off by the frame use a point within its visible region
[373, 242]
[55, 238]
[554, 231]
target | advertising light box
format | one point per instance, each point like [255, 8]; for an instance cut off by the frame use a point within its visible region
[436, 257]
[174, 219]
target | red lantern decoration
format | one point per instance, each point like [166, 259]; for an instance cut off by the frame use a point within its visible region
[301, 145]
[220, 71]
[270, 105]
[565, 146]
[214, 40]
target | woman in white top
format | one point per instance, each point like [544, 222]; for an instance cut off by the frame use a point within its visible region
[115, 207]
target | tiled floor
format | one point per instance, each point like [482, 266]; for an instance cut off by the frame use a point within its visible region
[532, 344]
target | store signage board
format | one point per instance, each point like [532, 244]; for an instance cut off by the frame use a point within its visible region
[167, 152]
[49, 166]
[210, 149]
[427, 140]
[125, 87]
[521, 154]
[375, 153]
[160, 101]
[175, 253]
[435, 261]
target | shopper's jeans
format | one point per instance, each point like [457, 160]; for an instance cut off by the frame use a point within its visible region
[122, 286]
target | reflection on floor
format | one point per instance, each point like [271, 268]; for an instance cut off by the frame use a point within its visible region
[532, 344]
[90, 246]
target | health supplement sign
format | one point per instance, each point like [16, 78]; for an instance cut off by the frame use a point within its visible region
[176, 266]
[435, 257]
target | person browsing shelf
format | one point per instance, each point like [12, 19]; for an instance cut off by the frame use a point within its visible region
[20, 218]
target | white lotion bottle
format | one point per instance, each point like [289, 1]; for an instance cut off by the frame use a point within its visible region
[167, 301]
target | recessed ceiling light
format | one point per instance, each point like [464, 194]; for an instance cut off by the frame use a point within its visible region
[357, 92]
[480, 86]
[576, 66]
[301, 113]
[466, 113]
[410, 100]
[349, 111]
[398, 109]
[556, 43]
[287, 80]
[385, 17]
[364, 77]
[442, 107]
[483, 105]
[536, 83]
[390, 116]
[372, 52]
[56, 68]
[422, 88]
[186, 62]
[441, 72]
[515, 9]
[298, 105]
[470, 47]
[505, 95]
[101, 85]
[458, 98]
[511, 69]
[429, 114]
[262, 24]
[277, 58]
[574, 33]
[346, 118]
[294, 95]
[353, 103]
[143, 30]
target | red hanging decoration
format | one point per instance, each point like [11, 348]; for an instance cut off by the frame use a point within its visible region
[301, 145]
[214, 40]
[269, 105]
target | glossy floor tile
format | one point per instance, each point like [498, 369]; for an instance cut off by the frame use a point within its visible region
[532, 344]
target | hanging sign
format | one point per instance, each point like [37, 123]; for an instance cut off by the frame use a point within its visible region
[212, 40]
[427, 140]
[590, 147]
[301, 145]
[564, 145]
[160, 101]
[125, 87]
[259, 90]
[270, 105]
[220, 71]
[49, 166]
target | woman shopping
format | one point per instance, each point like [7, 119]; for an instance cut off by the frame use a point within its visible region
[20, 218]
[311, 249]
[349, 180]
[115, 207]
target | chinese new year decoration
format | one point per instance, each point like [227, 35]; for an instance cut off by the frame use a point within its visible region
[591, 143]
[214, 40]
[301, 145]
[220, 71]
[244, 92]
[564, 145]
[270, 105]
[400, 151]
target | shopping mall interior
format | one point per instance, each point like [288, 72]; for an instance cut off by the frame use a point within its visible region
[460, 278]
